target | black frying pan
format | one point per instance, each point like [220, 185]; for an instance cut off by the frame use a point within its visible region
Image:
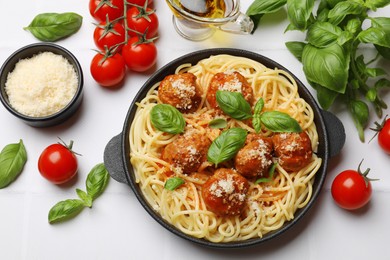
[330, 130]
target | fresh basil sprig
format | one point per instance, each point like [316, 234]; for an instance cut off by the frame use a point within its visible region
[50, 27]
[167, 118]
[96, 183]
[225, 146]
[274, 121]
[13, 157]
[173, 183]
[234, 104]
[331, 63]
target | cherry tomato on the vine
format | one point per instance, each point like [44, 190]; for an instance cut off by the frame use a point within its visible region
[140, 2]
[108, 34]
[99, 9]
[142, 21]
[383, 132]
[352, 189]
[108, 70]
[139, 55]
[58, 163]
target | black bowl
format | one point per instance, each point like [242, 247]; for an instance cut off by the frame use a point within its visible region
[28, 52]
[116, 155]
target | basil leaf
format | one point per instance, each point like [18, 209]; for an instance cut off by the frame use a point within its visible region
[280, 122]
[257, 114]
[325, 96]
[371, 94]
[296, 48]
[382, 83]
[344, 38]
[378, 33]
[234, 104]
[65, 210]
[259, 106]
[270, 177]
[375, 36]
[218, 123]
[97, 180]
[332, 3]
[360, 114]
[265, 7]
[167, 118]
[383, 51]
[323, 15]
[87, 199]
[51, 27]
[173, 183]
[328, 67]
[343, 8]
[13, 157]
[353, 26]
[323, 34]
[225, 146]
[299, 12]
[375, 72]
[374, 4]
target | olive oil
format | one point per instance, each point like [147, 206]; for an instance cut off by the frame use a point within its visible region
[203, 8]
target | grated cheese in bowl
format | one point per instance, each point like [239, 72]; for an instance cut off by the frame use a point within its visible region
[41, 85]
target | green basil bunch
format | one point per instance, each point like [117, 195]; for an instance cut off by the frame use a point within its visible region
[50, 27]
[96, 183]
[329, 56]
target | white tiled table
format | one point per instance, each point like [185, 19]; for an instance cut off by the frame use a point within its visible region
[117, 227]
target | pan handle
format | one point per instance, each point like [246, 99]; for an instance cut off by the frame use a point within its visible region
[113, 159]
[336, 132]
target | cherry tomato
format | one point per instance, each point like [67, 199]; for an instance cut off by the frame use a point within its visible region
[109, 35]
[383, 132]
[99, 9]
[352, 189]
[142, 21]
[140, 2]
[58, 163]
[384, 137]
[139, 56]
[108, 70]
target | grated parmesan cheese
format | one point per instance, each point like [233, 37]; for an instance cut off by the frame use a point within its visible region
[41, 85]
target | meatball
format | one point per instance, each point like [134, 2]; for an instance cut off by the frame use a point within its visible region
[228, 81]
[187, 152]
[255, 158]
[293, 150]
[180, 91]
[224, 193]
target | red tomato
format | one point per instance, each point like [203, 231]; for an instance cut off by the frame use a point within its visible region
[99, 9]
[351, 189]
[141, 20]
[139, 56]
[140, 2]
[384, 135]
[108, 71]
[57, 163]
[109, 35]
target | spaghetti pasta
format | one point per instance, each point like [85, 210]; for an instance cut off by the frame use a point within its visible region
[268, 205]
